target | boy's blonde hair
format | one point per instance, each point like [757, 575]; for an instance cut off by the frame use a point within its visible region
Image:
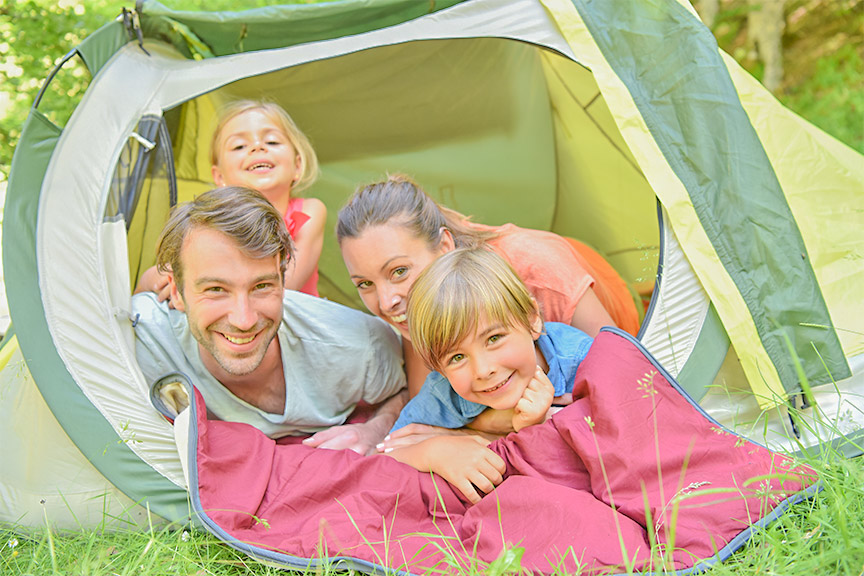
[277, 115]
[458, 288]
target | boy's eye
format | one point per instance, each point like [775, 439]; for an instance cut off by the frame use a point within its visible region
[456, 358]
[495, 338]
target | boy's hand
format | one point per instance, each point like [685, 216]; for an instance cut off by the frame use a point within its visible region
[535, 402]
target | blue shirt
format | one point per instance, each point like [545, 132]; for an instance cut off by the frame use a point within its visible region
[437, 404]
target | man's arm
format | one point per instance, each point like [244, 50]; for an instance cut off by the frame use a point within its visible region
[464, 461]
[363, 437]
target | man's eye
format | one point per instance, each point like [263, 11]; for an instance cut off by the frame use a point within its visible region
[213, 289]
[263, 286]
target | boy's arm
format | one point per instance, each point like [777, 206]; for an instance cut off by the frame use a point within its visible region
[464, 461]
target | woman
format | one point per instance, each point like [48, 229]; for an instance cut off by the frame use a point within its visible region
[390, 231]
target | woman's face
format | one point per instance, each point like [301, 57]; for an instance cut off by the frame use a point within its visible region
[384, 261]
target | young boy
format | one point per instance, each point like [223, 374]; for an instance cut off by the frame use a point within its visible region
[473, 321]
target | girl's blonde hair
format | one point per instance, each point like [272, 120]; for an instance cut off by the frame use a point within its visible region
[457, 289]
[400, 200]
[277, 115]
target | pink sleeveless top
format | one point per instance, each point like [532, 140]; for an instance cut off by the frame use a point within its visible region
[295, 218]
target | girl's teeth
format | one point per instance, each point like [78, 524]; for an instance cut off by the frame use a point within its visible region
[234, 340]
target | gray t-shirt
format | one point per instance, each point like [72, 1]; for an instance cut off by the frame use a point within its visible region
[333, 357]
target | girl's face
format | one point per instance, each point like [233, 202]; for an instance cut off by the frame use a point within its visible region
[494, 365]
[254, 152]
[384, 261]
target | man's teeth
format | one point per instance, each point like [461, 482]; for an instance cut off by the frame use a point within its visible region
[234, 340]
[399, 319]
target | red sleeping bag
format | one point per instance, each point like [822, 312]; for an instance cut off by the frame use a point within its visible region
[631, 463]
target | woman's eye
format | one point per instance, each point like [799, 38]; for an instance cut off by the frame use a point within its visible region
[363, 284]
[400, 271]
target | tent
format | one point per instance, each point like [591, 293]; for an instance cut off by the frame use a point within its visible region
[570, 116]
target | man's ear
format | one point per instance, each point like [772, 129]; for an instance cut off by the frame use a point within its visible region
[217, 175]
[176, 297]
[446, 243]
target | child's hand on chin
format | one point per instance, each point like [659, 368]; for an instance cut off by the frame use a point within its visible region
[536, 400]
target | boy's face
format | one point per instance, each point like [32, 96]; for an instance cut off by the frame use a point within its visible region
[494, 365]
[255, 152]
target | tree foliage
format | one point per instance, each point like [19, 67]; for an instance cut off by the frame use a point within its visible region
[35, 35]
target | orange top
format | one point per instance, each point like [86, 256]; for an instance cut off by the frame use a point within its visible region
[558, 271]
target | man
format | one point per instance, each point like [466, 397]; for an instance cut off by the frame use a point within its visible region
[282, 361]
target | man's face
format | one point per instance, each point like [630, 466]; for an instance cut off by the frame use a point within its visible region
[233, 302]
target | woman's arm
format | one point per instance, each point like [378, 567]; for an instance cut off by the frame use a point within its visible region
[307, 244]
[590, 315]
[464, 461]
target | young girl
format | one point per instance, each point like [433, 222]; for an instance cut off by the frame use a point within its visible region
[472, 319]
[257, 145]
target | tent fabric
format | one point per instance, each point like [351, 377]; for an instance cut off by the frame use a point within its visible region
[508, 110]
[674, 476]
[714, 156]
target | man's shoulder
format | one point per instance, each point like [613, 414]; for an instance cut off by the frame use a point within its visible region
[310, 316]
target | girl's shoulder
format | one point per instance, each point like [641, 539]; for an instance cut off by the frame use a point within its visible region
[313, 207]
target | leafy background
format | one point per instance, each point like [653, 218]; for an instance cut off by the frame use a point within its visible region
[823, 46]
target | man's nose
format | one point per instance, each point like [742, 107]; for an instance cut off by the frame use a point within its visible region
[242, 316]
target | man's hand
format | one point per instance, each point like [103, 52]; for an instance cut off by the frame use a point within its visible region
[363, 437]
[360, 438]
[464, 461]
[536, 400]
